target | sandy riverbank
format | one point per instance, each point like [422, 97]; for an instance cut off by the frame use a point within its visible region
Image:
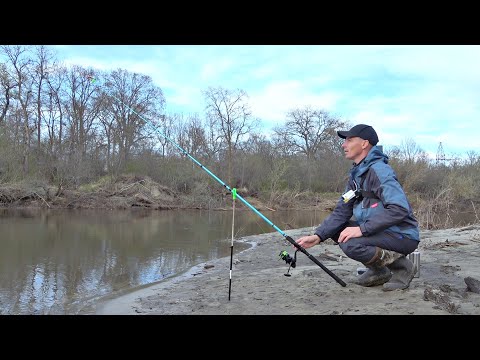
[260, 287]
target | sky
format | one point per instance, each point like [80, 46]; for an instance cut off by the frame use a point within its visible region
[426, 93]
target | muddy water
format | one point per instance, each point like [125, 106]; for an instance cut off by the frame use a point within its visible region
[59, 262]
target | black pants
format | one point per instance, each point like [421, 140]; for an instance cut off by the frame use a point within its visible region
[363, 248]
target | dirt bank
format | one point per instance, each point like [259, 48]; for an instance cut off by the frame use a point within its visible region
[134, 191]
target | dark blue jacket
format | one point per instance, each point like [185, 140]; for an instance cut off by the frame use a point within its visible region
[385, 205]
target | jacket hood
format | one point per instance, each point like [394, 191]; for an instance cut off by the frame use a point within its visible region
[373, 156]
[376, 154]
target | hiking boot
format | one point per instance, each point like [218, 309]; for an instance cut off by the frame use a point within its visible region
[403, 272]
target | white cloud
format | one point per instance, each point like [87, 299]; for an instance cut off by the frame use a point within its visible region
[272, 103]
[213, 71]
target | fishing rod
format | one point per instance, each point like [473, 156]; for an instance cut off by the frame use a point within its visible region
[239, 197]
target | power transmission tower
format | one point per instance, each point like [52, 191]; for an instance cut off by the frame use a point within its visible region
[441, 159]
[440, 154]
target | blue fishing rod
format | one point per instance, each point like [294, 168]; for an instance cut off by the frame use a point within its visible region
[283, 254]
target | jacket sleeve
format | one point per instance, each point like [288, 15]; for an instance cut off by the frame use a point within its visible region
[336, 221]
[395, 203]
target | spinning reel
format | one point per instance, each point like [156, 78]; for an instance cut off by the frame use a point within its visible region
[292, 261]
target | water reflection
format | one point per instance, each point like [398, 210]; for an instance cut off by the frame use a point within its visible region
[57, 261]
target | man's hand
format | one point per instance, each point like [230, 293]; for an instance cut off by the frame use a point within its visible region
[308, 241]
[348, 233]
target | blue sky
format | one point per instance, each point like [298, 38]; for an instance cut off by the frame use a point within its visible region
[426, 93]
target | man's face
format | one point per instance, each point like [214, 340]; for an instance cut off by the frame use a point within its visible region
[354, 148]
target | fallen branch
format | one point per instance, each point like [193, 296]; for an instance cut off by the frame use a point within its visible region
[129, 186]
[42, 199]
[441, 299]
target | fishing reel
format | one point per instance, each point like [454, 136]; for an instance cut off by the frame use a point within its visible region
[292, 261]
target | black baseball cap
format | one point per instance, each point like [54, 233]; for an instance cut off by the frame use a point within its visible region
[363, 131]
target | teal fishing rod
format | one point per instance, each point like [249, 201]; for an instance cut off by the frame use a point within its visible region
[239, 197]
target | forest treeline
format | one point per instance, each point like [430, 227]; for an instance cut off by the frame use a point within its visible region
[69, 126]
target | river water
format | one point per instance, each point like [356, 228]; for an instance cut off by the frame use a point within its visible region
[59, 262]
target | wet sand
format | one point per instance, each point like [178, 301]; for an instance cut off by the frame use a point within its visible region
[259, 286]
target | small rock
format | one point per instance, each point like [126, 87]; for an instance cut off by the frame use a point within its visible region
[473, 285]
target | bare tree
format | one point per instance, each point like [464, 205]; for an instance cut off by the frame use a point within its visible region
[165, 127]
[20, 73]
[195, 136]
[82, 110]
[305, 130]
[42, 65]
[7, 84]
[473, 158]
[108, 125]
[53, 113]
[308, 132]
[410, 151]
[213, 137]
[257, 160]
[180, 133]
[232, 116]
[133, 91]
